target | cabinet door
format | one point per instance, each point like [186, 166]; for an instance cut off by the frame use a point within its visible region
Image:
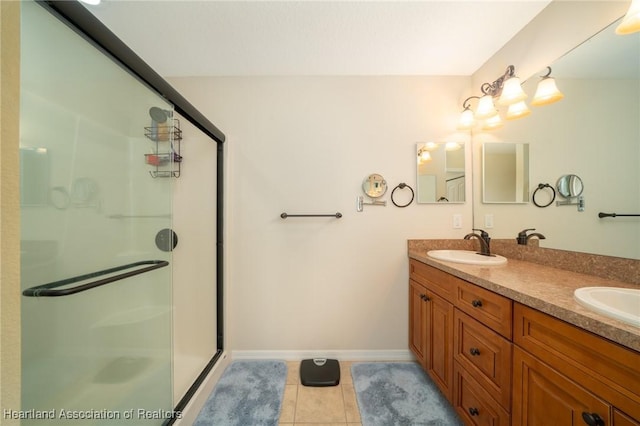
[417, 323]
[542, 396]
[439, 349]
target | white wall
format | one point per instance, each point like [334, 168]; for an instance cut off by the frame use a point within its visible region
[304, 145]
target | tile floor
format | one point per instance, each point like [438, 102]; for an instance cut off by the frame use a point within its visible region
[319, 406]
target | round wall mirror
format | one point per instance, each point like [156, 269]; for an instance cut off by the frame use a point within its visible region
[570, 186]
[374, 186]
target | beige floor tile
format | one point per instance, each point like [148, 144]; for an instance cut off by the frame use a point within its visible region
[293, 372]
[320, 424]
[320, 404]
[345, 372]
[350, 403]
[288, 412]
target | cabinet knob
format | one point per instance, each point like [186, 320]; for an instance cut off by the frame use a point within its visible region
[474, 351]
[474, 411]
[592, 419]
[425, 297]
[476, 303]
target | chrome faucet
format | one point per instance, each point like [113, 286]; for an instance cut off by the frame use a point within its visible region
[523, 238]
[484, 241]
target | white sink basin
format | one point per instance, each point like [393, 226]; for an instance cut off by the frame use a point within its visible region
[467, 256]
[620, 303]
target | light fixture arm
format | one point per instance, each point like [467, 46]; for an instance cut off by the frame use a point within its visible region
[466, 104]
[548, 73]
[494, 89]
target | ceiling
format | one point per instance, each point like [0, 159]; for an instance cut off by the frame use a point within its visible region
[306, 37]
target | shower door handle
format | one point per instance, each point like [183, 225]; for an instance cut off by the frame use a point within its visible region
[51, 290]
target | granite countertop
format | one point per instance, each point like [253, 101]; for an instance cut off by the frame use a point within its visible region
[544, 288]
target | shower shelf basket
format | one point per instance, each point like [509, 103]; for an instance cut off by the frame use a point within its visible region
[166, 159]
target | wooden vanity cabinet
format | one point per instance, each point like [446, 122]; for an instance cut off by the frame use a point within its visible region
[561, 371]
[469, 361]
[502, 363]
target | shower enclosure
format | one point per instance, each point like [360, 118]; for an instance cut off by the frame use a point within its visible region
[98, 158]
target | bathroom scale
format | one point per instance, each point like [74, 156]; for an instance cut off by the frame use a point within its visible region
[320, 372]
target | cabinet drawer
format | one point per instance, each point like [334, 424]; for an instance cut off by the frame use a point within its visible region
[607, 369]
[545, 397]
[489, 308]
[621, 419]
[440, 282]
[473, 404]
[485, 355]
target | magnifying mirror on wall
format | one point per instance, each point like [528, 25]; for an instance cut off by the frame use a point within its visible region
[374, 186]
[570, 186]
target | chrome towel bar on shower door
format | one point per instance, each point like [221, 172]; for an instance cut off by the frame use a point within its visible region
[337, 215]
[50, 289]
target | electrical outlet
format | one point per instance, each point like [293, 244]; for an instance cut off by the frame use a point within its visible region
[488, 221]
[457, 221]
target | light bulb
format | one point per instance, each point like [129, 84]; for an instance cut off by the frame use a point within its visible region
[467, 120]
[493, 123]
[518, 110]
[512, 92]
[486, 108]
[631, 21]
[547, 92]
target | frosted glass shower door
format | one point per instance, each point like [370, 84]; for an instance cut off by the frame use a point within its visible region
[96, 304]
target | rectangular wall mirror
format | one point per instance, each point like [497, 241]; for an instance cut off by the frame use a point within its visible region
[440, 172]
[505, 173]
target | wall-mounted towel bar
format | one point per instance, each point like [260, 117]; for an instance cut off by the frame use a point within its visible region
[601, 215]
[337, 215]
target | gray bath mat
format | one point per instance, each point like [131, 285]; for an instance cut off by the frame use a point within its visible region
[248, 393]
[394, 394]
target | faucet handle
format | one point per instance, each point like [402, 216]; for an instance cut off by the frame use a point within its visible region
[523, 233]
[483, 233]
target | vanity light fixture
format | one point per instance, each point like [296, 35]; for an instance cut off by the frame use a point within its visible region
[631, 21]
[423, 155]
[547, 92]
[430, 146]
[507, 89]
[452, 146]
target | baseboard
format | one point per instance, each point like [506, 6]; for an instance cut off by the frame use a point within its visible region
[191, 411]
[344, 355]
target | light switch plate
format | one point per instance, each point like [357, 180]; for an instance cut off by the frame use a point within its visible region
[457, 221]
[488, 221]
